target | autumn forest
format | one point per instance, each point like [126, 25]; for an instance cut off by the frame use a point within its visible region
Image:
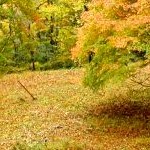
[74, 74]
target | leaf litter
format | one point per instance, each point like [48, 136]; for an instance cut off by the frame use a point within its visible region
[63, 110]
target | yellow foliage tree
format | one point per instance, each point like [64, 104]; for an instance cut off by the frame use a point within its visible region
[117, 31]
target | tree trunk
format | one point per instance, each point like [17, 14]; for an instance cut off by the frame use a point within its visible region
[32, 60]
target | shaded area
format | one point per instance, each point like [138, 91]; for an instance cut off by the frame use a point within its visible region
[125, 119]
[127, 109]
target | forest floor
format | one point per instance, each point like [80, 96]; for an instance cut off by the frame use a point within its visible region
[66, 115]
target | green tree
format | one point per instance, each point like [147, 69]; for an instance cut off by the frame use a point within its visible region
[39, 31]
[16, 19]
[61, 18]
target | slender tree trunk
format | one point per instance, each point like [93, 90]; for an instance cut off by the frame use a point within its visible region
[32, 60]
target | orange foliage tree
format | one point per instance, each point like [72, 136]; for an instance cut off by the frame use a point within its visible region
[118, 32]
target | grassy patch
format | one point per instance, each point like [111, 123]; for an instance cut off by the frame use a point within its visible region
[65, 115]
[63, 144]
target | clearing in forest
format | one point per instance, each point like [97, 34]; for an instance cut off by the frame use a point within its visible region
[66, 115]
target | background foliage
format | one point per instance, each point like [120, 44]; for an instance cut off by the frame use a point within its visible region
[39, 32]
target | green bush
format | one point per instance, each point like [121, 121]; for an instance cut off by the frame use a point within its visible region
[10, 69]
[57, 64]
[64, 144]
[3, 60]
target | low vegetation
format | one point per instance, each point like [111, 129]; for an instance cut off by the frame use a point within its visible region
[66, 115]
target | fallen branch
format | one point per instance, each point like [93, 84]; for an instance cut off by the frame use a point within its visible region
[140, 83]
[27, 90]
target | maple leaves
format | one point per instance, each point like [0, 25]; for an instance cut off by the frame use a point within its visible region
[123, 25]
[114, 16]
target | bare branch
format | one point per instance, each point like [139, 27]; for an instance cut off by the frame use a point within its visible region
[27, 90]
[38, 7]
[140, 83]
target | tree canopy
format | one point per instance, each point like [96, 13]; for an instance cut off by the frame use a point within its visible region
[118, 32]
[112, 37]
[40, 32]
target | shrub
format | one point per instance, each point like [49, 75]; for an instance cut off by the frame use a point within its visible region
[57, 64]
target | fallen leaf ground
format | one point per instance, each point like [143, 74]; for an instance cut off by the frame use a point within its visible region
[66, 115]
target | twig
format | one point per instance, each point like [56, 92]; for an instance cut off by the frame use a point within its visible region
[27, 90]
[38, 7]
[140, 83]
